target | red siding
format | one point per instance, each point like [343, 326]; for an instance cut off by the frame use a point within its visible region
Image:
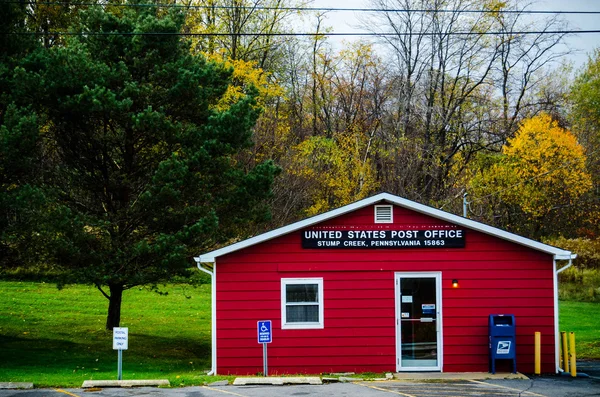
[495, 276]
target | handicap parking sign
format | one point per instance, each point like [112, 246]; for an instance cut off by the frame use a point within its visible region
[264, 331]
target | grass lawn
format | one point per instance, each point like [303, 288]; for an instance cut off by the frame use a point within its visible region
[57, 338]
[583, 318]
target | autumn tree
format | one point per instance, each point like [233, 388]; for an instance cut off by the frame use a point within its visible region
[524, 60]
[334, 174]
[47, 19]
[585, 117]
[336, 106]
[537, 182]
[242, 29]
[585, 114]
[438, 75]
[458, 89]
[139, 152]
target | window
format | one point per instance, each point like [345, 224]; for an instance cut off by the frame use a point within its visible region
[301, 303]
[384, 214]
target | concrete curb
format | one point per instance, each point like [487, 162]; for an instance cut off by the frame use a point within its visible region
[16, 385]
[278, 381]
[219, 383]
[124, 383]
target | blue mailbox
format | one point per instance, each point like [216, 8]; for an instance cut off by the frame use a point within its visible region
[503, 335]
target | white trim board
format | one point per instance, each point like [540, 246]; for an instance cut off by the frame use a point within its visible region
[320, 301]
[398, 276]
[556, 325]
[559, 254]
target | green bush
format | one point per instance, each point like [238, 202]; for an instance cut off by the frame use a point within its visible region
[579, 284]
[587, 250]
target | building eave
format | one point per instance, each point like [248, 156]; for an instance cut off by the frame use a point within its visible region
[557, 253]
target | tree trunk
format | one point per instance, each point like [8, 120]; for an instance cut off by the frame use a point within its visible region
[114, 306]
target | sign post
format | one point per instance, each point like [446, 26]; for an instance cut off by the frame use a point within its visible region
[120, 343]
[264, 336]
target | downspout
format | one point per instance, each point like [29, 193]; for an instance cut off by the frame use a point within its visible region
[573, 256]
[556, 328]
[213, 315]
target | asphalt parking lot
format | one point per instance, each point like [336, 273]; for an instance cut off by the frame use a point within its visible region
[544, 386]
[550, 386]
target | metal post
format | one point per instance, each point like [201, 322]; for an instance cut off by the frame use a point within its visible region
[573, 354]
[265, 366]
[120, 365]
[465, 202]
[565, 348]
[538, 353]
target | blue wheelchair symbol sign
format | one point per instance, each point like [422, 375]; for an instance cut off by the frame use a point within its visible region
[264, 332]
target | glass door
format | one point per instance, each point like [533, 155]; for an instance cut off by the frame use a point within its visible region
[418, 325]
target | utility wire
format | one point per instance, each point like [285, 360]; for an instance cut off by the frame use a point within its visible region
[301, 34]
[324, 9]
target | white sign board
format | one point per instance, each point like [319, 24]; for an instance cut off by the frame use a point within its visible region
[120, 338]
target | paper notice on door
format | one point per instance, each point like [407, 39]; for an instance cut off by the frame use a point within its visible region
[407, 299]
[428, 308]
[405, 315]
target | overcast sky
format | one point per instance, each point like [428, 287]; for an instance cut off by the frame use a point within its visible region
[582, 44]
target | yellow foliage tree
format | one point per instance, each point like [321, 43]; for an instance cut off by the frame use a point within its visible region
[541, 170]
[242, 29]
[272, 132]
[334, 172]
[246, 74]
[548, 165]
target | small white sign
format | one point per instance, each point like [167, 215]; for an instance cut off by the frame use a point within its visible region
[406, 298]
[120, 338]
[503, 347]
[405, 315]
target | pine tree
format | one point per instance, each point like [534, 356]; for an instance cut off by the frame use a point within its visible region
[140, 171]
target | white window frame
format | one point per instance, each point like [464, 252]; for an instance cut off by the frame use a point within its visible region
[391, 208]
[306, 325]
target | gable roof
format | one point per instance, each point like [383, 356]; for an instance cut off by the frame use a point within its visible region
[558, 253]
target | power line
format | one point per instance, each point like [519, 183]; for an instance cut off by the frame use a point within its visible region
[301, 34]
[323, 9]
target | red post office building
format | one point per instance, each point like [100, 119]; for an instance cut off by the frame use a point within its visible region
[381, 285]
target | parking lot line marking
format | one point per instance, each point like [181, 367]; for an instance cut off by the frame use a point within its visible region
[453, 393]
[386, 390]
[472, 389]
[424, 389]
[224, 391]
[448, 392]
[66, 392]
[508, 388]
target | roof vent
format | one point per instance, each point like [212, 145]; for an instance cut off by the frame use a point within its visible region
[384, 214]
